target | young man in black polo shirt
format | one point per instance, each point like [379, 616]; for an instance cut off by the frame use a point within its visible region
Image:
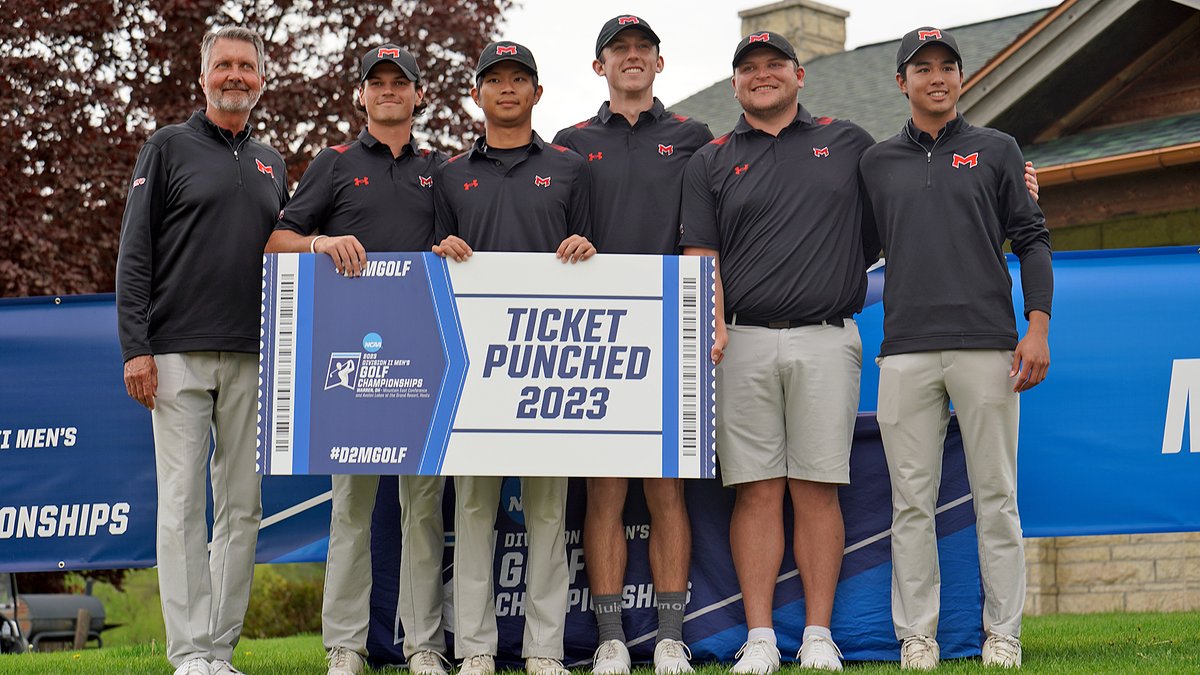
[375, 194]
[511, 192]
[777, 202]
[947, 196]
[637, 151]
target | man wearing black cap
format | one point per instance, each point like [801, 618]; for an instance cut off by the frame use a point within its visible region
[511, 192]
[349, 201]
[947, 196]
[636, 151]
[777, 202]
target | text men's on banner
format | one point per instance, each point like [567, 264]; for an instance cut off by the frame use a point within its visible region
[510, 364]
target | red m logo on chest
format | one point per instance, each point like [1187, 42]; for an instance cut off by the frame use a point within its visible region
[426, 181]
[821, 152]
[666, 150]
[541, 182]
[265, 168]
[970, 160]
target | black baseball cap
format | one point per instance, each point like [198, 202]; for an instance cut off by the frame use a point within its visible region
[913, 41]
[619, 23]
[392, 54]
[765, 38]
[505, 51]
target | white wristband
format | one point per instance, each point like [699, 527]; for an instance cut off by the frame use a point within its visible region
[312, 245]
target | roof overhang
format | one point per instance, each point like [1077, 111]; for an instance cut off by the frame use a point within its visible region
[1134, 162]
[1071, 61]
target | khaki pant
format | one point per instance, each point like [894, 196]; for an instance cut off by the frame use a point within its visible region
[205, 398]
[346, 605]
[543, 502]
[914, 393]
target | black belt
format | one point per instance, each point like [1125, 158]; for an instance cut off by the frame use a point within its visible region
[734, 319]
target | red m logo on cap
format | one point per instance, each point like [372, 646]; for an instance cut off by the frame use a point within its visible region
[761, 37]
[265, 168]
[970, 160]
[387, 51]
[501, 51]
[625, 20]
[926, 34]
[541, 182]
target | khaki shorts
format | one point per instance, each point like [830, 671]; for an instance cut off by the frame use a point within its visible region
[787, 400]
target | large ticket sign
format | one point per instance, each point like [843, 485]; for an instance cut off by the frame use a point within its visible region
[507, 364]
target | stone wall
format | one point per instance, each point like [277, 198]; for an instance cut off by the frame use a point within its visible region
[1129, 572]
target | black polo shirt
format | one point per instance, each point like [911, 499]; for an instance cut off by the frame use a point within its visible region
[945, 209]
[786, 216]
[637, 175]
[360, 189]
[530, 205]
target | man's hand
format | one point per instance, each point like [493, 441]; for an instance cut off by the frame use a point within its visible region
[720, 342]
[454, 248]
[1031, 183]
[1031, 358]
[575, 248]
[348, 255]
[141, 379]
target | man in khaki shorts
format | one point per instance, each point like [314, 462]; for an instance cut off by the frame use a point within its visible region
[777, 202]
[947, 195]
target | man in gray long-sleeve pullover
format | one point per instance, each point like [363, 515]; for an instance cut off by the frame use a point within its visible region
[202, 202]
[946, 196]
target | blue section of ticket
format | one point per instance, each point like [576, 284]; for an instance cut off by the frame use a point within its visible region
[508, 364]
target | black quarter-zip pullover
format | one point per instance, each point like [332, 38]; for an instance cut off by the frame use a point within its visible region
[944, 210]
[202, 203]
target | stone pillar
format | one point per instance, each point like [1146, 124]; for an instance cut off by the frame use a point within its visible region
[813, 29]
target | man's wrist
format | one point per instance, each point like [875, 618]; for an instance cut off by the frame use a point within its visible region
[312, 245]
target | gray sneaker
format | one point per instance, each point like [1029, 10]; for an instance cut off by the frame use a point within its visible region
[428, 662]
[611, 658]
[672, 657]
[343, 661]
[919, 652]
[756, 657]
[220, 667]
[545, 666]
[480, 664]
[196, 666]
[1003, 651]
[819, 653]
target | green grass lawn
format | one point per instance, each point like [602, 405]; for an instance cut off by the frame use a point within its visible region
[1096, 643]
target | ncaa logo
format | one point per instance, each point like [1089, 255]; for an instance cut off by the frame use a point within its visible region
[372, 342]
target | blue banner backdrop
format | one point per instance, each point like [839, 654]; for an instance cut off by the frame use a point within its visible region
[1109, 444]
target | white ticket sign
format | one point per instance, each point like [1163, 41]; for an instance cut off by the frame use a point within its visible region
[507, 364]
